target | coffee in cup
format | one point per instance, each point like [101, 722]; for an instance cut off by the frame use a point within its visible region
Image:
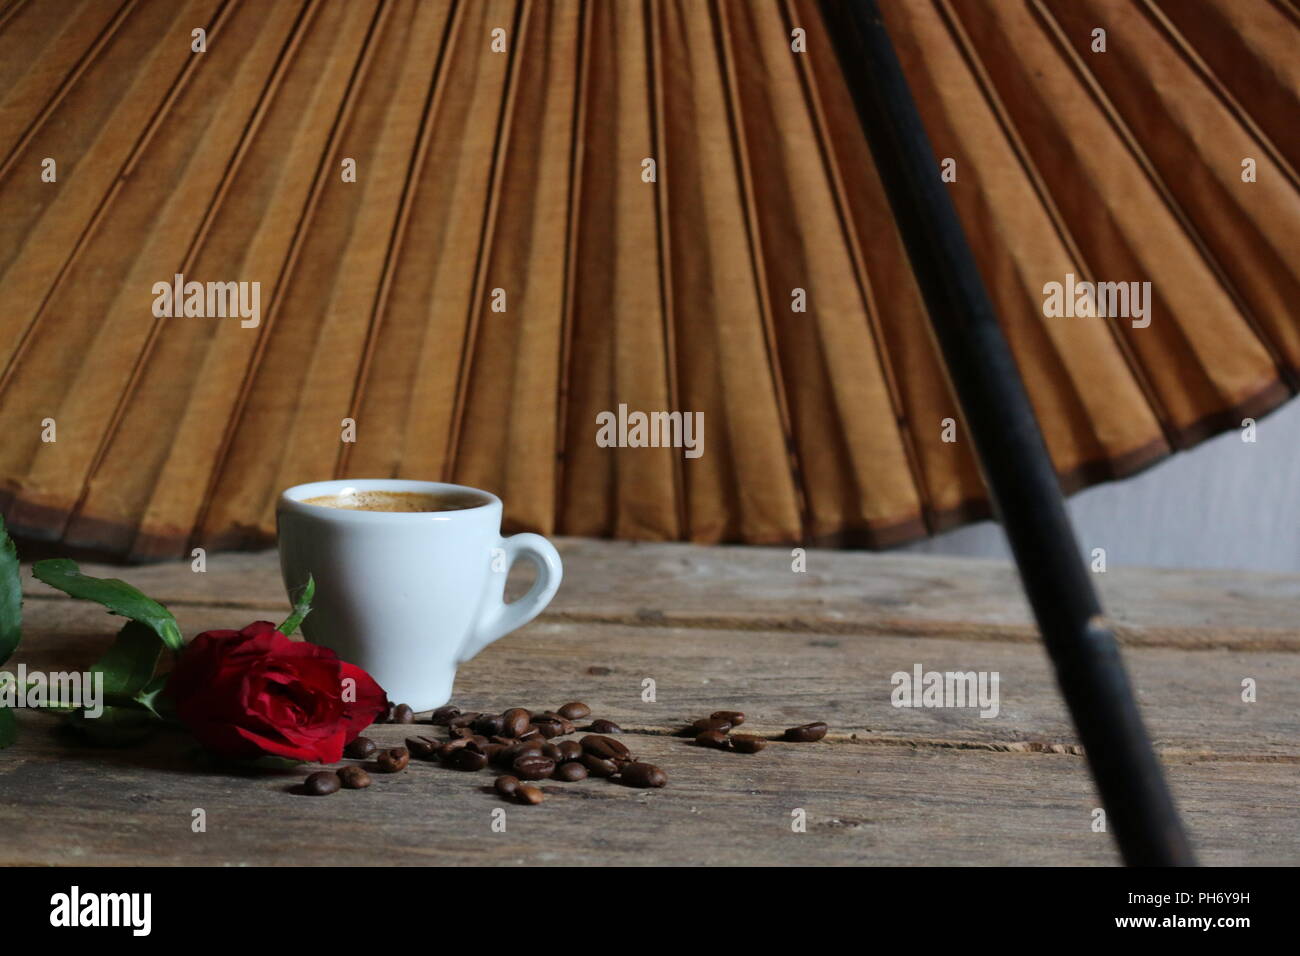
[400, 502]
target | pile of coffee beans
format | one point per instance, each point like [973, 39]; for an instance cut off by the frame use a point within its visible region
[521, 744]
[518, 741]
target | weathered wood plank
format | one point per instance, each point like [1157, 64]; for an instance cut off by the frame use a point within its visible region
[842, 592]
[718, 628]
[1192, 702]
[864, 806]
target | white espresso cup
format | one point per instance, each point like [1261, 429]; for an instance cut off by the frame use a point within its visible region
[408, 596]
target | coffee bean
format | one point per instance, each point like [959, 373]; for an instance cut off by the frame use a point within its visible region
[733, 717]
[569, 750]
[488, 725]
[425, 748]
[444, 715]
[607, 748]
[506, 785]
[464, 720]
[566, 725]
[529, 794]
[360, 748]
[526, 747]
[598, 766]
[574, 710]
[466, 759]
[807, 733]
[548, 727]
[478, 743]
[493, 752]
[552, 751]
[461, 732]
[598, 671]
[747, 743]
[321, 784]
[515, 721]
[451, 746]
[715, 739]
[570, 772]
[642, 775]
[402, 714]
[703, 724]
[533, 766]
[392, 760]
[354, 778]
[603, 726]
[530, 733]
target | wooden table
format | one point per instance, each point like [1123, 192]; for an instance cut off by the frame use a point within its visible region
[719, 628]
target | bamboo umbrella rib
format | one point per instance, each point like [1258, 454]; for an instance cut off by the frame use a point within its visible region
[1122, 129]
[45, 467]
[517, 39]
[659, 148]
[189, 259]
[1212, 80]
[508, 421]
[8, 12]
[264, 332]
[405, 413]
[1178, 206]
[1071, 371]
[1251, 49]
[83, 64]
[1121, 236]
[38, 51]
[577, 151]
[394, 242]
[812, 96]
[951, 481]
[720, 338]
[30, 277]
[106, 201]
[419, 156]
[277, 179]
[311, 354]
[220, 366]
[1035, 177]
[731, 84]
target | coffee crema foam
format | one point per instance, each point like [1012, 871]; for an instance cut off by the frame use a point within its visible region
[404, 502]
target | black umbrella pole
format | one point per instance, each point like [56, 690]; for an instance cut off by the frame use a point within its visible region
[1016, 467]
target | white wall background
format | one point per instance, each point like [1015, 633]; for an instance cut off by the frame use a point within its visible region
[1224, 504]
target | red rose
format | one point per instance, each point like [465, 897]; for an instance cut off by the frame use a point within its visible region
[254, 692]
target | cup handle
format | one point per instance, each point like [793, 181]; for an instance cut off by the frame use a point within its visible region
[498, 618]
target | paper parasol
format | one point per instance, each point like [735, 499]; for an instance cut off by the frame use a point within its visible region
[665, 206]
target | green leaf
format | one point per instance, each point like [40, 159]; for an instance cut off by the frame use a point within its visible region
[11, 596]
[131, 661]
[116, 726]
[301, 609]
[118, 596]
[8, 727]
